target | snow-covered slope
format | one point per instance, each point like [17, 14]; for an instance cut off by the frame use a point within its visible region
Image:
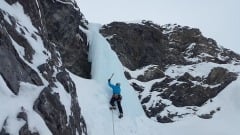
[94, 98]
[175, 69]
[43, 53]
[36, 93]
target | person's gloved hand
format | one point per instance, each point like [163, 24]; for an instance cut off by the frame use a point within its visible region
[109, 80]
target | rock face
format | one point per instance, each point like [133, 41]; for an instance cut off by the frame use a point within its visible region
[62, 23]
[169, 58]
[39, 41]
[140, 45]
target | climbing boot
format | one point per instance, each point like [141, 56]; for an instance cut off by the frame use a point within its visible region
[120, 115]
[112, 108]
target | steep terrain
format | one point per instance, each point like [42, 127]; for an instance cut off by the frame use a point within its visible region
[39, 39]
[172, 67]
[94, 98]
[171, 74]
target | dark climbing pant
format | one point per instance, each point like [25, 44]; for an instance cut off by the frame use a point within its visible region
[117, 98]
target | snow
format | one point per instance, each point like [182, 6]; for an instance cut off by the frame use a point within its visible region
[220, 57]
[6, 17]
[169, 28]
[224, 122]
[65, 98]
[24, 101]
[200, 69]
[138, 72]
[110, 37]
[28, 93]
[94, 102]
[94, 95]
[39, 12]
[104, 63]
[24, 22]
[175, 71]
[68, 3]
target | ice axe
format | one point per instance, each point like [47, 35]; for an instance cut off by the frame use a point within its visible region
[111, 76]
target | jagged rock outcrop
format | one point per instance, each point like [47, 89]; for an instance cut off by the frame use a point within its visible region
[151, 74]
[166, 55]
[39, 41]
[140, 45]
[61, 23]
[12, 68]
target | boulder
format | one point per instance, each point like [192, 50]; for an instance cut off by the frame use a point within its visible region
[151, 74]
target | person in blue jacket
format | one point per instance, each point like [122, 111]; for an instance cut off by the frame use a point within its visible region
[116, 97]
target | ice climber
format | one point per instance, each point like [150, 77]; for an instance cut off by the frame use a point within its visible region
[116, 97]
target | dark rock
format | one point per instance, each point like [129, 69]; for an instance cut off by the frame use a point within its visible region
[207, 116]
[164, 119]
[137, 87]
[158, 86]
[58, 28]
[186, 77]
[22, 115]
[25, 129]
[3, 130]
[22, 41]
[146, 99]
[187, 94]
[13, 69]
[11, 1]
[145, 44]
[127, 75]
[59, 23]
[65, 80]
[151, 74]
[139, 45]
[62, 24]
[47, 72]
[51, 109]
[48, 105]
[219, 75]
[153, 111]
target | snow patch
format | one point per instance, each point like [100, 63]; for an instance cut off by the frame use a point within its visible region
[138, 72]
[24, 101]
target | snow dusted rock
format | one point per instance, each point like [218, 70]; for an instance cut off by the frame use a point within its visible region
[145, 43]
[220, 75]
[140, 45]
[175, 69]
[39, 41]
[61, 22]
[13, 69]
[150, 74]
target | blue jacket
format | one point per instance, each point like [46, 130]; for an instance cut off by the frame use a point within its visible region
[116, 89]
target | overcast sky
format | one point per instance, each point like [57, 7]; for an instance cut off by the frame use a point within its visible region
[217, 19]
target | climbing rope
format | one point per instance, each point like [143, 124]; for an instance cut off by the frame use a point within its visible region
[113, 124]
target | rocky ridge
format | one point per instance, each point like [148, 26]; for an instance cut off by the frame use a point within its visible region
[39, 41]
[162, 64]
